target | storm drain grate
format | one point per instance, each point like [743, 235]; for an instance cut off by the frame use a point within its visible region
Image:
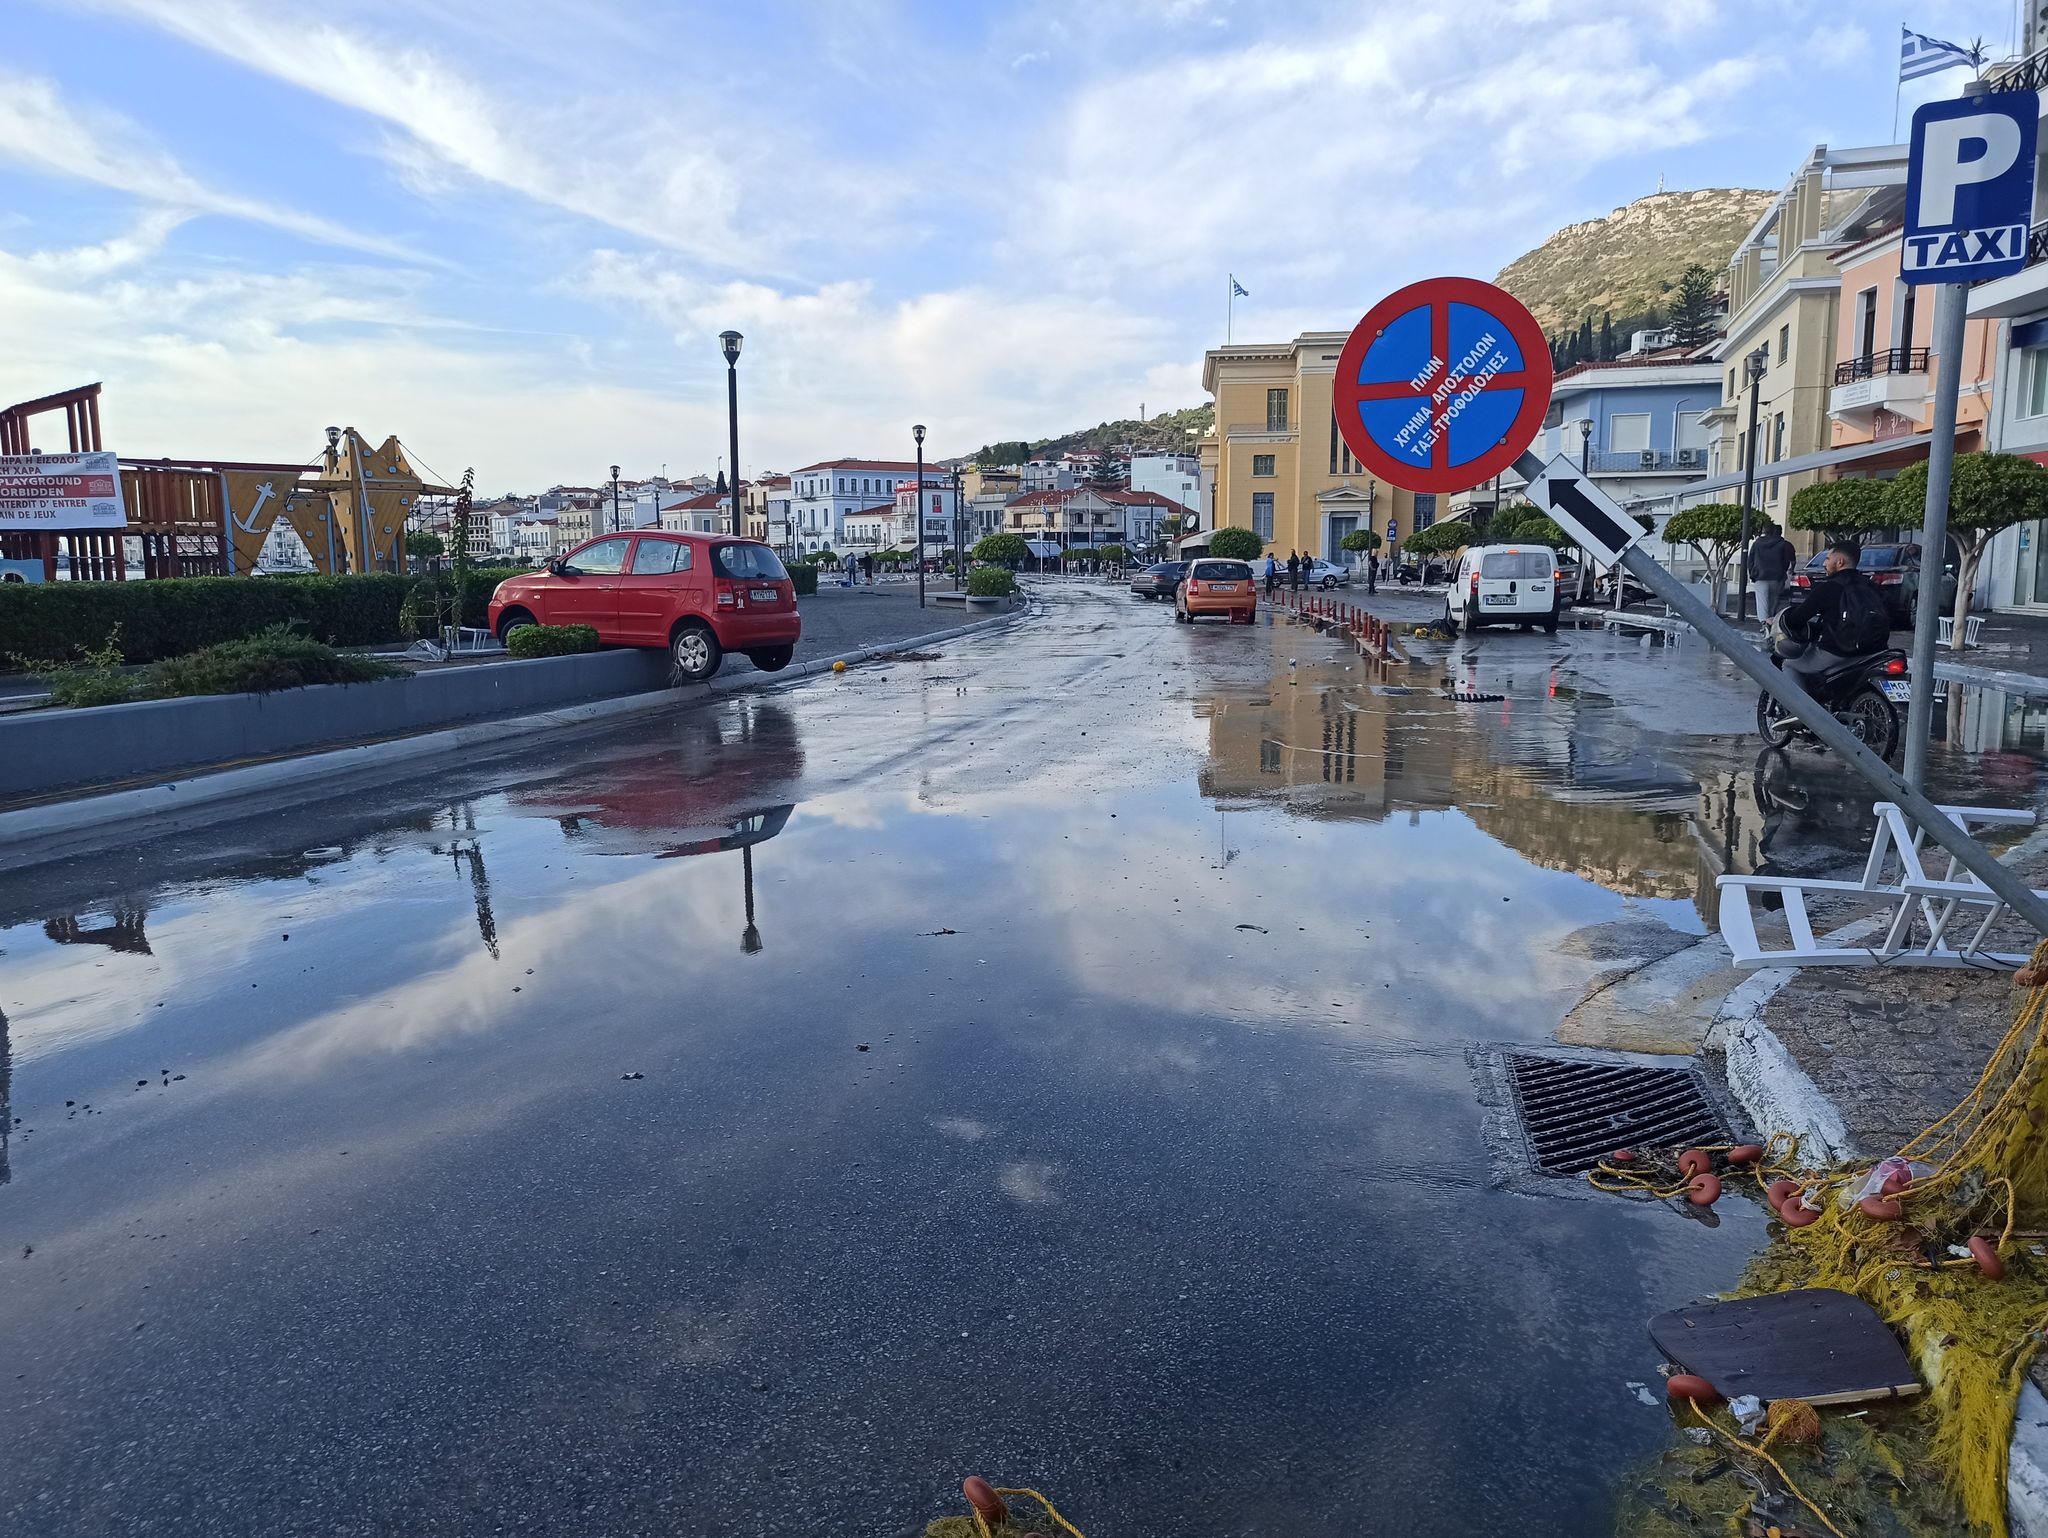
[1575, 1112]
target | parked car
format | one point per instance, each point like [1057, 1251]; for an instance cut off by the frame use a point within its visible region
[1895, 569]
[698, 596]
[1506, 584]
[1217, 587]
[1326, 575]
[1159, 579]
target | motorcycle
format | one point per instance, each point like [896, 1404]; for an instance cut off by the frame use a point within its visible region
[1859, 694]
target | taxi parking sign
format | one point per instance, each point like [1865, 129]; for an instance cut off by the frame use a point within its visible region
[1442, 385]
[1970, 188]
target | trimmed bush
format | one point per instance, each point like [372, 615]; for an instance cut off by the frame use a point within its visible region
[51, 621]
[990, 582]
[1235, 544]
[804, 577]
[551, 640]
[276, 658]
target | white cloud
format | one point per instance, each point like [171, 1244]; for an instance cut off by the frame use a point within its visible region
[710, 181]
[39, 129]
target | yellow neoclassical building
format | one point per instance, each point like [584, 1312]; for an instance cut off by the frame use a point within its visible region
[1274, 463]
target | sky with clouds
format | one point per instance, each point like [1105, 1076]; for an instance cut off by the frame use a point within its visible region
[511, 230]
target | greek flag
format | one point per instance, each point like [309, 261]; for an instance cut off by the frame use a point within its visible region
[1921, 55]
[1237, 290]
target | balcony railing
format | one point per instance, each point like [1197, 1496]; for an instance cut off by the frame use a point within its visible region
[1621, 461]
[2028, 74]
[1892, 360]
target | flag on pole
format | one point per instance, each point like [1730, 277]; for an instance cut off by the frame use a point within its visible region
[1921, 55]
[1237, 290]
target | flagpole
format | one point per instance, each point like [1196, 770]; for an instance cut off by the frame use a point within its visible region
[1229, 306]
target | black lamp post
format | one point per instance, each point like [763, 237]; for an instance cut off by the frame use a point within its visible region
[959, 557]
[917, 510]
[1753, 366]
[729, 342]
[615, 501]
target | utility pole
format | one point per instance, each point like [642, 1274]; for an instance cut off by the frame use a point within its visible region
[1753, 371]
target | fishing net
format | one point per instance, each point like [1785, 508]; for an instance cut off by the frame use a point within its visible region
[1959, 1272]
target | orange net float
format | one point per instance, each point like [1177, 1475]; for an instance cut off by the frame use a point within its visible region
[981, 1495]
[1683, 1386]
[1704, 1189]
[1882, 1208]
[1776, 1192]
[1742, 1155]
[1695, 1161]
[1986, 1255]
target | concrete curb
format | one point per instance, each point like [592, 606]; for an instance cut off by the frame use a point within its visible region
[36, 834]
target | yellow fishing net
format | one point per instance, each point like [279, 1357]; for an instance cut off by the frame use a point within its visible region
[1980, 1174]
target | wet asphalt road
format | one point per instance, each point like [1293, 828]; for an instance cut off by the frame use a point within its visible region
[754, 1120]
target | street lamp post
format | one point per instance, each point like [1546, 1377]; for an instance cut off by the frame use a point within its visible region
[615, 501]
[729, 343]
[917, 510]
[1753, 366]
[959, 555]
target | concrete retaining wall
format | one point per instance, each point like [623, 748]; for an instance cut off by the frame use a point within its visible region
[47, 750]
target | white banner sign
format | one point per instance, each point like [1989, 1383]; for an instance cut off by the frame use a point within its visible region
[49, 492]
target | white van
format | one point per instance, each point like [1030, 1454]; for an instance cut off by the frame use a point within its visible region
[1507, 584]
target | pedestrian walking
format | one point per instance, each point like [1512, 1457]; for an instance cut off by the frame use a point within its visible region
[867, 569]
[1272, 574]
[1770, 562]
[1294, 571]
[1372, 572]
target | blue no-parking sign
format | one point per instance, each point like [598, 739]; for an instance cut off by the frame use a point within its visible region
[1970, 188]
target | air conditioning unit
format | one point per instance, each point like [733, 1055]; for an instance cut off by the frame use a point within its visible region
[1692, 456]
[1649, 459]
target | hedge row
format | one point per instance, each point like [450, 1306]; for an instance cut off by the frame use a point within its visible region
[173, 616]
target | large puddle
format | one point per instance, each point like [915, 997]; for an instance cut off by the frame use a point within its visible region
[1049, 1061]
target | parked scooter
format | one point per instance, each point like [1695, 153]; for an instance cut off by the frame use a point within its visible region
[1858, 694]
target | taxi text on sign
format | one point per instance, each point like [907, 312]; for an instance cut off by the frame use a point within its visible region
[1970, 188]
[1442, 385]
[51, 492]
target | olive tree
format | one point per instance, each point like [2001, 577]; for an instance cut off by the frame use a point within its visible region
[1236, 544]
[1844, 507]
[1714, 530]
[1986, 493]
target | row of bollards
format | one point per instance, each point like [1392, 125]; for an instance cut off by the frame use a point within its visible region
[1367, 630]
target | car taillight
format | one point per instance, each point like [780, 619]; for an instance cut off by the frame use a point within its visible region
[1887, 576]
[1475, 581]
[1558, 575]
[728, 595]
[1194, 586]
[1895, 668]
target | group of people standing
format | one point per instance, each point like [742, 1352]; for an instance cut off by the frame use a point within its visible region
[1296, 567]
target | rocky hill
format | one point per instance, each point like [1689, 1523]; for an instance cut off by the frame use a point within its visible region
[1626, 263]
[1166, 430]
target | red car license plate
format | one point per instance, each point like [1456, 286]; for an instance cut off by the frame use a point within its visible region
[764, 595]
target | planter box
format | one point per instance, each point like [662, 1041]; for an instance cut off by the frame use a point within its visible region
[988, 605]
[46, 750]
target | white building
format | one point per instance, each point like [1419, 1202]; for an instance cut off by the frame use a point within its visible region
[1177, 477]
[823, 494]
[531, 537]
[696, 512]
[1046, 475]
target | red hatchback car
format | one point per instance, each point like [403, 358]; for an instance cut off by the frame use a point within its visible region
[698, 595]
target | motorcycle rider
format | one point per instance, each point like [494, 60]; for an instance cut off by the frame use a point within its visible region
[1842, 617]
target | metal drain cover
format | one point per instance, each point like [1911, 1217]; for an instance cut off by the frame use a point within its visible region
[1575, 1111]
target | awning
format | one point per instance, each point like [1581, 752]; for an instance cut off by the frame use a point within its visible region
[1042, 549]
[1847, 454]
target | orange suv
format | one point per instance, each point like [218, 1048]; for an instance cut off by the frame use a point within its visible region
[697, 595]
[1217, 587]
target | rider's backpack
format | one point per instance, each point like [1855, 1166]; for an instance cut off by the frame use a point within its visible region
[1861, 624]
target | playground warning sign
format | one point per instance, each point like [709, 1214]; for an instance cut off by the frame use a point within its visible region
[52, 492]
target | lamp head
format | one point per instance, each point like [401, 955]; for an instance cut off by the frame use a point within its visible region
[917, 432]
[1756, 363]
[333, 437]
[729, 344]
[615, 472]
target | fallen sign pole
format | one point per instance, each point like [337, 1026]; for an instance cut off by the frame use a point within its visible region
[1594, 519]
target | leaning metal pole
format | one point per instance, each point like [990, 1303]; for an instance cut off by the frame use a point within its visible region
[1950, 311]
[1724, 638]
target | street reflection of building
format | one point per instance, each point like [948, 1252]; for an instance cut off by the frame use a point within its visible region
[123, 930]
[6, 1100]
[1365, 753]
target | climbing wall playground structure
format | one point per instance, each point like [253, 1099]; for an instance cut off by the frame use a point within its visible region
[209, 518]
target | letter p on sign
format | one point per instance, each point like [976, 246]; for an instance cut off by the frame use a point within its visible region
[1970, 188]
